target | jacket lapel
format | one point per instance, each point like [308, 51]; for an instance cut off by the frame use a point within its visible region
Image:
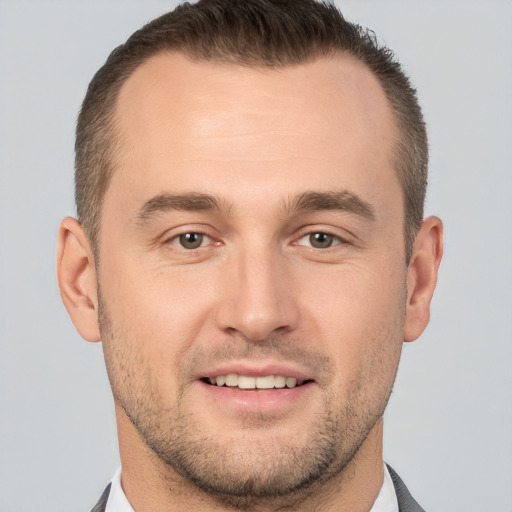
[406, 503]
[102, 503]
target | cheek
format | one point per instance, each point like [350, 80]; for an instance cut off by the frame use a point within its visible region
[360, 317]
[154, 313]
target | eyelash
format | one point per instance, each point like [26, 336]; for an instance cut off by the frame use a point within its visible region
[178, 240]
[335, 239]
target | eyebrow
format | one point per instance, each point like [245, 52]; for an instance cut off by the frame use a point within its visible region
[163, 203]
[343, 201]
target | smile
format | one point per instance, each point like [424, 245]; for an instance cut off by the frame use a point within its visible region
[234, 380]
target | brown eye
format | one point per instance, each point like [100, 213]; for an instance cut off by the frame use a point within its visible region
[321, 240]
[191, 240]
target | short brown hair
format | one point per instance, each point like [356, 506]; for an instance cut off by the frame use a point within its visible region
[257, 33]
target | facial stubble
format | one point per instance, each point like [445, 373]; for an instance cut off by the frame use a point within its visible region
[255, 464]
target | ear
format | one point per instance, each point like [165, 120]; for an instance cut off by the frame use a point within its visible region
[422, 276]
[77, 278]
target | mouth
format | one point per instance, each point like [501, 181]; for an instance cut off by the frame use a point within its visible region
[248, 382]
[242, 388]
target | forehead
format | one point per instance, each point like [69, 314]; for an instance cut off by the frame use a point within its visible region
[187, 124]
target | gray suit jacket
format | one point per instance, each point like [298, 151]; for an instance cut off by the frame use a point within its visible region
[406, 503]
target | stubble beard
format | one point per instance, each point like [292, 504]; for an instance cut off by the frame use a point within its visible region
[238, 471]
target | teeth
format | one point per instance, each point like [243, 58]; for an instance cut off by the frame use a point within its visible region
[247, 382]
[231, 379]
[291, 382]
[265, 382]
[279, 381]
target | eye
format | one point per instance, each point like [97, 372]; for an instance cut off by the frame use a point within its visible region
[191, 240]
[319, 240]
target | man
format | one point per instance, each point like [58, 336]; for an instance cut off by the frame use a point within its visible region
[250, 250]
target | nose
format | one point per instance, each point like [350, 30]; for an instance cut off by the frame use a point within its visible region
[257, 298]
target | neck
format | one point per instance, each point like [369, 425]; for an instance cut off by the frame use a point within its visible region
[151, 486]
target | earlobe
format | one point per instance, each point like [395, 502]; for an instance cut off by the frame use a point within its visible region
[422, 276]
[77, 278]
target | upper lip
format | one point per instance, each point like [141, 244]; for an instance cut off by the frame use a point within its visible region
[252, 369]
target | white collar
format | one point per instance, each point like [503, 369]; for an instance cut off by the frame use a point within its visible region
[117, 500]
[386, 500]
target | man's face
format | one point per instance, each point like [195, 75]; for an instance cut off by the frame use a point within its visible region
[252, 235]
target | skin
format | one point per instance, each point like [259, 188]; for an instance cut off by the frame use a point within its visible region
[257, 294]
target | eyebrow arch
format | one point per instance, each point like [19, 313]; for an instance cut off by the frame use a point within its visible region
[181, 202]
[344, 201]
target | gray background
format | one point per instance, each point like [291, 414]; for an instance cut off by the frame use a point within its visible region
[449, 423]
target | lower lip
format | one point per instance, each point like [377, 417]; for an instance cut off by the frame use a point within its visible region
[257, 400]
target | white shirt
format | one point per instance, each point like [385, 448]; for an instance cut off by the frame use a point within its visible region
[386, 500]
[117, 500]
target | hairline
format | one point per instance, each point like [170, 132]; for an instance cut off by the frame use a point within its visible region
[113, 142]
